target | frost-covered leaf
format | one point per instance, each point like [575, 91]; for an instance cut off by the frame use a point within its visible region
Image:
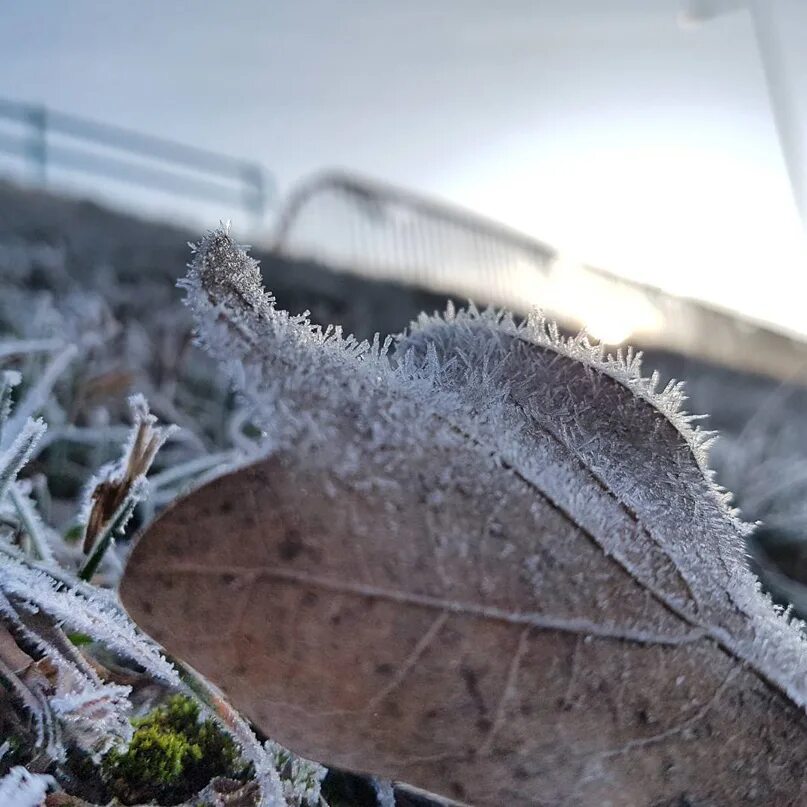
[494, 566]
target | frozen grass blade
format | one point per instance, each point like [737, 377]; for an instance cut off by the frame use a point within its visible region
[19, 452]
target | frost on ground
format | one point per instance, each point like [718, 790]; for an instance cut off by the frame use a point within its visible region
[66, 644]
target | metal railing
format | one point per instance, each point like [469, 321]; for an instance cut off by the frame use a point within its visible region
[365, 226]
[45, 139]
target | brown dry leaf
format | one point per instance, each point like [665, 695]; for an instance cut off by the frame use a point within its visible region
[111, 493]
[12, 657]
[495, 571]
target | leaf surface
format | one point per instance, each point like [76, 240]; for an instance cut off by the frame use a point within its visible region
[491, 567]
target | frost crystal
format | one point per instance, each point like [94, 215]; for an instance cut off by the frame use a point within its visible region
[19, 452]
[19, 788]
[301, 778]
[385, 793]
[95, 715]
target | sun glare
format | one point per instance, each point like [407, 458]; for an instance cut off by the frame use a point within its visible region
[684, 214]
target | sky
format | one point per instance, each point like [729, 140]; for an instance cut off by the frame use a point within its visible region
[605, 128]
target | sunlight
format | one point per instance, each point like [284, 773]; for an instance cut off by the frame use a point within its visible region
[679, 210]
[612, 314]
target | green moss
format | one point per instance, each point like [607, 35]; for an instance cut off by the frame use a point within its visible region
[172, 756]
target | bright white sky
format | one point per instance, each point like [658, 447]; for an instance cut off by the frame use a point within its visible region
[600, 126]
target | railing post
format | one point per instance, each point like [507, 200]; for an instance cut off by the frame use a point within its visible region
[254, 191]
[38, 143]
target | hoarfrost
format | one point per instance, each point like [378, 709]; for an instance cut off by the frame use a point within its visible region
[20, 788]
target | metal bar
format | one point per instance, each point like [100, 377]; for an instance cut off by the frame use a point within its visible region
[38, 143]
[14, 110]
[40, 150]
[783, 100]
[147, 145]
[15, 145]
[116, 168]
[255, 189]
[380, 192]
[781, 95]
[124, 139]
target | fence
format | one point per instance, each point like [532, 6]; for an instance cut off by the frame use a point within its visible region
[372, 228]
[39, 136]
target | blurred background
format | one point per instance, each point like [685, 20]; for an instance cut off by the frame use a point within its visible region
[634, 167]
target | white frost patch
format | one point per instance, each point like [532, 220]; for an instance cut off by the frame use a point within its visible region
[20, 788]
